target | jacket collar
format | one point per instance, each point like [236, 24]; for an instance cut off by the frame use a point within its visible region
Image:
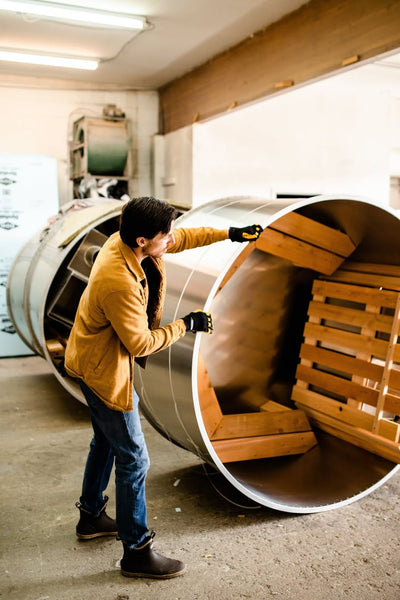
[131, 260]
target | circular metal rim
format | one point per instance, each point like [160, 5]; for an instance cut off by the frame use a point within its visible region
[258, 498]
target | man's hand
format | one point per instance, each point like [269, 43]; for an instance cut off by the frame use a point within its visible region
[245, 234]
[198, 321]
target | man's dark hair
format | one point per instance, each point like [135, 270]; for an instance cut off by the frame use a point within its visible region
[145, 217]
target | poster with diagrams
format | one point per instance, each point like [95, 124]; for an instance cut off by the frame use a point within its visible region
[28, 198]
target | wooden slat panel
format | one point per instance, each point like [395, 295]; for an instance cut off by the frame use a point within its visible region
[343, 362]
[347, 419]
[357, 436]
[351, 316]
[367, 279]
[298, 252]
[306, 399]
[352, 341]
[355, 293]
[337, 385]
[264, 446]
[314, 233]
[260, 423]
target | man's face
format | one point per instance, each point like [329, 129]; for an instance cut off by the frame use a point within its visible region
[159, 244]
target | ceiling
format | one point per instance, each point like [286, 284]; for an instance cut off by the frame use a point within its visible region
[182, 35]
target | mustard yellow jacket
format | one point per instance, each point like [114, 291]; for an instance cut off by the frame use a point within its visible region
[114, 325]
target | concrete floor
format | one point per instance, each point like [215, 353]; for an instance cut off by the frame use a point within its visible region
[231, 551]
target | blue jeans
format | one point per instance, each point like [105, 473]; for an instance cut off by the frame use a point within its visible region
[117, 435]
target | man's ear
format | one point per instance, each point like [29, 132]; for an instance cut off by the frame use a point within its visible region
[141, 241]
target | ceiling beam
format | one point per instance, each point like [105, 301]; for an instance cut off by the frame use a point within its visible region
[319, 38]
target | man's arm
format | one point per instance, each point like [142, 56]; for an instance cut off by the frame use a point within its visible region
[127, 314]
[195, 237]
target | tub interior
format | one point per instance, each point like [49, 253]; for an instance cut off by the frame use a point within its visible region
[252, 359]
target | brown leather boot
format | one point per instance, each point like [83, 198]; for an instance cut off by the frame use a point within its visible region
[145, 562]
[91, 526]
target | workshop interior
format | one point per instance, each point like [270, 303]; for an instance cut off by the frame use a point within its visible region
[223, 110]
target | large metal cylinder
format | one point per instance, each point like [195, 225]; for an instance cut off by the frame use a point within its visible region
[259, 303]
[49, 275]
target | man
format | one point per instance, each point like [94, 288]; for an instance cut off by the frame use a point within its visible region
[118, 322]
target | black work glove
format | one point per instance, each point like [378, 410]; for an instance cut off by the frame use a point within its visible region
[198, 321]
[245, 234]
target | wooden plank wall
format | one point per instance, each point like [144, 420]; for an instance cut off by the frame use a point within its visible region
[321, 37]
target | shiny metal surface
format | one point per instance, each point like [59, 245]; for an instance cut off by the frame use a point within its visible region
[42, 292]
[252, 355]
[258, 314]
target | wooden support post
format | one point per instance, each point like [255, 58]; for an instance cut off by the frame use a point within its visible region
[210, 409]
[387, 368]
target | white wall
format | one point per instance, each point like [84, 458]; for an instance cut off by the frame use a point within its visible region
[339, 135]
[328, 137]
[395, 137]
[39, 121]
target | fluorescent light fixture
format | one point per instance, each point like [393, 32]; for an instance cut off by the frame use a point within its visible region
[76, 14]
[48, 60]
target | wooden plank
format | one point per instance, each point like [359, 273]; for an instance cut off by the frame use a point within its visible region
[351, 316]
[343, 362]
[264, 446]
[377, 268]
[260, 423]
[314, 233]
[209, 406]
[355, 293]
[307, 399]
[357, 436]
[316, 39]
[392, 404]
[384, 387]
[367, 279]
[298, 252]
[394, 379]
[55, 348]
[337, 385]
[351, 341]
[271, 406]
